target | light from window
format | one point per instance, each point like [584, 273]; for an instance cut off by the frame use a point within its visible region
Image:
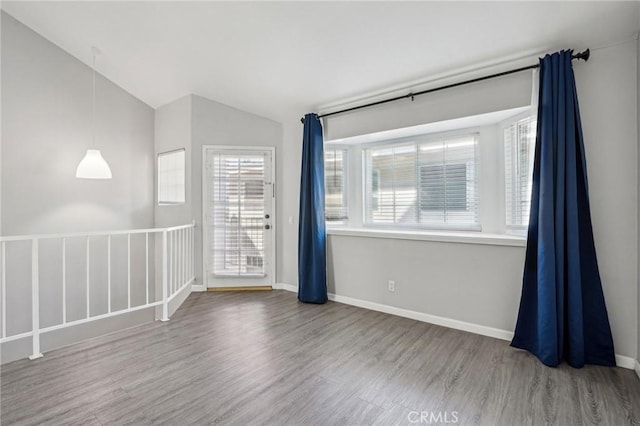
[431, 184]
[171, 177]
[519, 146]
[335, 185]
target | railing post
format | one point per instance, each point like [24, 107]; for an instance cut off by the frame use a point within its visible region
[35, 300]
[165, 292]
[128, 271]
[88, 254]
[109, 273]
[193, 253]
[4, 291]
[146, 266]
[64, 280]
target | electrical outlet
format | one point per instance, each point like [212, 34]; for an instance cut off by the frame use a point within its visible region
[392, 286]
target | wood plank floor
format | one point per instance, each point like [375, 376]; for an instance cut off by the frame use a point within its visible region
[264, 358]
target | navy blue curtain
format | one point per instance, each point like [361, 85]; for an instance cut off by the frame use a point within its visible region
[312, 259]
[562, 309]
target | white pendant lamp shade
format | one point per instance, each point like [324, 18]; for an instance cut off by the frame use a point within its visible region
[93, 166]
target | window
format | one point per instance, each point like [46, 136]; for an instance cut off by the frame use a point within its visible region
[429, 183]
[465, 174]
[335, 185]
[519, 145]
[171, 177]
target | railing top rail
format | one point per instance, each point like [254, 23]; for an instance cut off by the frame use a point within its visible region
[94, 233]
[176, 228]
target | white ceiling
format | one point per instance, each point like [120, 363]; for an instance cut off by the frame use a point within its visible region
[282, 58]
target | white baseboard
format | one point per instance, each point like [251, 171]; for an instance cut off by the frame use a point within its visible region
[621, 361]
[420, 316]
[638, 369]
[625, 361]
[283, 286]
[178, 299]
[195, 287]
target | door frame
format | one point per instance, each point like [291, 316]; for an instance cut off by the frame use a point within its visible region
[274, 217]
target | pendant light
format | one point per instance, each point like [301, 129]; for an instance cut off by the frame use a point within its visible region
[93, 166]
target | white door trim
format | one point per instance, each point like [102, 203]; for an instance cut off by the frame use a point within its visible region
[274, 216]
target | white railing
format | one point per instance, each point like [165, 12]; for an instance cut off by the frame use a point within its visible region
[176, 257]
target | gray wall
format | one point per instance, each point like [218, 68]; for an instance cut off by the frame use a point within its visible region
[214, 123]
[289, 190]
[46, 117]
[482, 283]
[173, 131]
[638, 124]
[508, 92]
[192, 122]
[46, 130]
[607, 90]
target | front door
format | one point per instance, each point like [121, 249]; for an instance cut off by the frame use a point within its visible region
[239, 200]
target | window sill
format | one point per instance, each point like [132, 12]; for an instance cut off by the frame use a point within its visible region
[439, 236]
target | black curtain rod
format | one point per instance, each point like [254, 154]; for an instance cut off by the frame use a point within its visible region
[582, 55]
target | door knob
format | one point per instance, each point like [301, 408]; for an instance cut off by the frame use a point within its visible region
[267, 227]
[266, 216]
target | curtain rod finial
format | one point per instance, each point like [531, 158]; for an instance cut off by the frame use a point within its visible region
[583, 55]
[302, 120]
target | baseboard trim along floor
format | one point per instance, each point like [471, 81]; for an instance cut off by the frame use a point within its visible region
[245, 288]
[621, 360]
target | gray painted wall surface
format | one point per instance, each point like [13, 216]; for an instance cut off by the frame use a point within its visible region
[192, 122]
[638, 265]
[493, 95]
[46, 117]
[172, 132]
[607, 90]
[214, 123]
[289, 190]
[46, 130]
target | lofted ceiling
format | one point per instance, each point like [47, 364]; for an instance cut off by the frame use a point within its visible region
[281, 58]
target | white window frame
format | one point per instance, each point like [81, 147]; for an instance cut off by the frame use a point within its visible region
[510, 229]
[184, 185]
[346, 161]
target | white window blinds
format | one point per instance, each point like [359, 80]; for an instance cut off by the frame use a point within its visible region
[432, 184]
[237, 209]
[171, 177]
[335, 185]
[519, 146]
[391, 184]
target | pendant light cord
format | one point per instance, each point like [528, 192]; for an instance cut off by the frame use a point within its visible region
[93, 121]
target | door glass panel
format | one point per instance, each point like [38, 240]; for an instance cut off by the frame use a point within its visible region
[237, 211]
